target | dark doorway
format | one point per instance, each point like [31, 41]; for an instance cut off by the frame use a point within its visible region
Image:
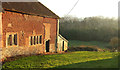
[47, 45]
[63, 46]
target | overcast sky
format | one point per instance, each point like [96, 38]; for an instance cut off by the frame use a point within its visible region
[84, 8]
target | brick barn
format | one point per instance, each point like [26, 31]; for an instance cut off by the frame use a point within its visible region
[29, 28]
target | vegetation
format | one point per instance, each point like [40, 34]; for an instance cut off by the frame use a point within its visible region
[106, 63]
[114, 42]
[92, 31]
[68, 60]
[89, 29]
[87, 48]
[77, 43]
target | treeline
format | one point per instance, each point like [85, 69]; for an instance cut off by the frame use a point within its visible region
[89, 29]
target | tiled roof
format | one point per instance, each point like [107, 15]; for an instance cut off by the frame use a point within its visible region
[31, 8]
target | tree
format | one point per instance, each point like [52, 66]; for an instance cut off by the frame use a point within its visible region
[89, 28]
[114, 42]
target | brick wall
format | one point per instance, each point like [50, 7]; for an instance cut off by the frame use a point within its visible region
[15, 22]
[13, 51]
[25, 26]
[0, 29]
[0, 34]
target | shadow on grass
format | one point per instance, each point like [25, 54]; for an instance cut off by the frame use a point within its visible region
[106, 64]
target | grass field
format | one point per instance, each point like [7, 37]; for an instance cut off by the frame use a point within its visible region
[75, 43]
[79, 59]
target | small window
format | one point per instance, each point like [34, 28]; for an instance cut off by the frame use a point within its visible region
[40, 39]
[15, 39]
[10, 40]
[37, 40]
[31, 40]
[34, 40]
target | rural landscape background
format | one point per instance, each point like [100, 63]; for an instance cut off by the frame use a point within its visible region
[91, 31]
[93, 43]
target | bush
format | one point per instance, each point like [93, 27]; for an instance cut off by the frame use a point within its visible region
[82, 49]
[114, 43]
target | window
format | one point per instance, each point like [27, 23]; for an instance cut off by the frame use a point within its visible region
[15, 39]
[31, 41]
[11, 39]
[40, 39]
[35, 40]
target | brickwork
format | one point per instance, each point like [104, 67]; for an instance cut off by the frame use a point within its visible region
[0, 34]
[0, 30]
[26, 26]
[14, 51]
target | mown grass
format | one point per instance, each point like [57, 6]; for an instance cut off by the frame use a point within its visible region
[75, 43]
[105, 63]
[77, 59]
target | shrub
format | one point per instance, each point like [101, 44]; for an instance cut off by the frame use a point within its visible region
[82, 49]
[114, 43]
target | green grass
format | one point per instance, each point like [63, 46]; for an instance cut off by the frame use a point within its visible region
[75, 43]
[79, 59]
[105, 63]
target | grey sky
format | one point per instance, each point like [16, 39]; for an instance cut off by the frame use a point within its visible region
[85, 8]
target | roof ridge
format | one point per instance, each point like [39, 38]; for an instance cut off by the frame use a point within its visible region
[49, 9]
[31, 8]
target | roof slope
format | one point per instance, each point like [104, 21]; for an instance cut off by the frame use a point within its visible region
[32, 8]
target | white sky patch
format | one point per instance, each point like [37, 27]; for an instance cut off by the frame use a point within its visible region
[85, 8]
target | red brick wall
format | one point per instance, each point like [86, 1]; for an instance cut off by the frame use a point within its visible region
[0, 29]
[16, 22]
[53, 29]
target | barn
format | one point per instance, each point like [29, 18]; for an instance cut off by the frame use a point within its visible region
[29, 28]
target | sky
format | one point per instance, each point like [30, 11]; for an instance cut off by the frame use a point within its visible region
[84, 8]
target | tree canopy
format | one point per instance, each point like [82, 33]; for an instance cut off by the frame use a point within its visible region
[89, 29]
